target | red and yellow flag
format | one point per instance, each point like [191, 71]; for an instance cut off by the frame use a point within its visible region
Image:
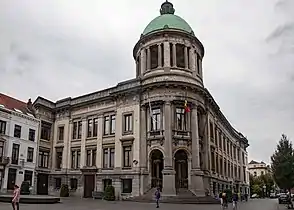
[186, 107]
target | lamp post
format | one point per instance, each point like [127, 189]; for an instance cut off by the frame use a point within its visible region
[264, 191]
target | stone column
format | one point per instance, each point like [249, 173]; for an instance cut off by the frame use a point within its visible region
[196, 173]
[186, 57]
[166, 49]
[159, 56]
[148, 59]
[168, 171]
[174, 55]
[99, 142]
[143, 61]
[83, 143]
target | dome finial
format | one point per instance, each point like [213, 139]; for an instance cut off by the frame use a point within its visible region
[167, 8]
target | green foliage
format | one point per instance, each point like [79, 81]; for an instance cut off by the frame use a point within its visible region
[109, 193]
[283, 164]
[256, 189]
[25, 188]
[64, 190]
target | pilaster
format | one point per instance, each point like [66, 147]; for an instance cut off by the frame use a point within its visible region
[143, 135]
[168, 171]
[68, 156]
[99, 142]
[83, 143]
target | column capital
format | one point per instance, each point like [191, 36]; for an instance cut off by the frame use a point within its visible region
[168, 103]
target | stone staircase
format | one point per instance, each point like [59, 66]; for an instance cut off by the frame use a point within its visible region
[183, 196]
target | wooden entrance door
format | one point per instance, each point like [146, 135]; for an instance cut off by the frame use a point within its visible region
[42, 184]
[89, 185]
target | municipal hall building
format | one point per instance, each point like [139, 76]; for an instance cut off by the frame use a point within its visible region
[160, 129]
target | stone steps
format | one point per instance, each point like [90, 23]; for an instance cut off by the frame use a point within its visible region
[184, 196]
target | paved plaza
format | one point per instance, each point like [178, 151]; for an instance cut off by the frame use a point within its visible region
[88, 204]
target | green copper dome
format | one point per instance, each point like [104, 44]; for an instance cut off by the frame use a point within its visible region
[167, 20]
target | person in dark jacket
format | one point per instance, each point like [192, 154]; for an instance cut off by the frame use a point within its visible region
[157, 197]
[235, 199]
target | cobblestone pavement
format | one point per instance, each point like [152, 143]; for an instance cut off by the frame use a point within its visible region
[88, 204]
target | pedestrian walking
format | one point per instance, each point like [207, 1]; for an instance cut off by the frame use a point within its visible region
[235, 200]
[16, 197]
[157, 197]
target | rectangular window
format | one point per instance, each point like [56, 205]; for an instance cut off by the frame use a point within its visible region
[1, 149]
[17, 131]
[57, 183]
[180, 58]
[105, 158]
[77, 130]
[75, 159]
[73, 184]
[106, 125]
[95, 127]
[89, 157]
[128, 123]
[45, 131]
[58, 158]
[109, 125]
[30, 155]
[127, 152]
[112, 124]
[108, 158]
[90, 128]
[127, 185]
[15, 154]
[61, 133]
[111, 158]
[2, 127]
[32, 134]
[155, 119]
[181, 119]
[43, 161]
[211, 130]
[94, 157]
[28, 176]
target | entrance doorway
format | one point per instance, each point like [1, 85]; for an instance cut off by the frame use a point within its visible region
[42, 184]
[156, 157]
[181, 168]
[89, 185]
[11, 178]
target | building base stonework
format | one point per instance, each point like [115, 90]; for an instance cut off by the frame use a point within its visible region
[168, 182]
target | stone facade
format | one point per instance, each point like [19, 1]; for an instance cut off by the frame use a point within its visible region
[140, 134]
[18, 148]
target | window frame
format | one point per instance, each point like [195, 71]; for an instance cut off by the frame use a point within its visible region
[17, 131]
[30, 154]
[128, 123]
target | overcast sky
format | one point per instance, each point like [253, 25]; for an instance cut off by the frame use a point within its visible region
[62, 48]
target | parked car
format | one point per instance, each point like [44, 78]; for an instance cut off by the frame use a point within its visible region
[273, 195]
[283, 198]
[254, 196]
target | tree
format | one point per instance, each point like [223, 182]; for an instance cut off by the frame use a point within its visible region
[283, 164]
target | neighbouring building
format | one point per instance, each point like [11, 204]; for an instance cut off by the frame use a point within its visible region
[258, 168]
[162, 128]
[18, 142]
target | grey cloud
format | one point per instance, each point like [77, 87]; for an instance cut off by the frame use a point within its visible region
[58, 49]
